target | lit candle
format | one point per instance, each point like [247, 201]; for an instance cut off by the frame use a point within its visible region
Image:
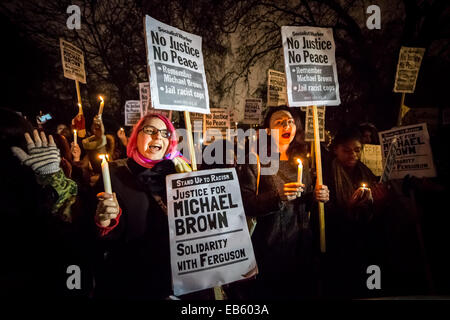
[105, 173]
[299, 171]
[102, 103]
[75, 137]
[364, 186]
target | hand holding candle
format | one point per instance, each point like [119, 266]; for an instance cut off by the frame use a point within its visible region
[105, 173]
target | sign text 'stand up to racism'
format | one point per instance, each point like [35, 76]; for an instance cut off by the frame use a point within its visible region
[177, 73]
[309, 60]
[209, 240]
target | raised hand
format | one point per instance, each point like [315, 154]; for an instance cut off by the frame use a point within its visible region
[43, 155]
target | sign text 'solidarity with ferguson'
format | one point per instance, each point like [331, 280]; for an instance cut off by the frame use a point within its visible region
[209, 240]
[310, 65]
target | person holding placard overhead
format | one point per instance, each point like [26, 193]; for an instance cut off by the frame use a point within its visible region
[282, 238]
[133, 219]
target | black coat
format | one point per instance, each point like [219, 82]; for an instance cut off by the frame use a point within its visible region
[136, 252]
[282, 238]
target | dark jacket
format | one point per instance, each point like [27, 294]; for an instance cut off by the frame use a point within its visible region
[136, 252]
[282, 238]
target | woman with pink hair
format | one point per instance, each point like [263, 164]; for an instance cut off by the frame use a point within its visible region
[133, 220]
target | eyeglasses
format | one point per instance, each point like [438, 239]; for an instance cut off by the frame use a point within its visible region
[151, 131]
[284, 123]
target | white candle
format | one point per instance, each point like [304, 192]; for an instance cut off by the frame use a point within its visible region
[75, 137]
[102, 103]
[105, 174]
[299, 171]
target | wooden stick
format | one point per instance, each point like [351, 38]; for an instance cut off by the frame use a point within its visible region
[77, 84]
[319, 180]
[399, 119]
[187, 121]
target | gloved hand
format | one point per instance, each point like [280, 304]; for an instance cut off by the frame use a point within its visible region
[43, 156]
[181, 165]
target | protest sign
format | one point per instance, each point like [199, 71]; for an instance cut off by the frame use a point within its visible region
[144, 96]
[371, 157]
[310, 65]
[252, 111]
[197, 122]
[413, 154]
[146, 101]
[132, 112]
[177, 73]
[408, 66]
[276, 89]
[391, 155]
[309, 123]
[217, 124]
[72, 61]
[209, 240]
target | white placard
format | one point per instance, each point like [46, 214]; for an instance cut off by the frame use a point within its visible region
[72, 61]
[371, 157]
[276, 89]
[409, 61]
[177, 73]
[413, 152]
[209, 240]
[310, 65]
[252, 111]
[309, 123]
[217, 124]
[144, 96]
[132, 112]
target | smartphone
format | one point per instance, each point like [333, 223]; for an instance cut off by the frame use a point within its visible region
[45, 117]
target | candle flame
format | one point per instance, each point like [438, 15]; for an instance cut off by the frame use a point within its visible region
[75, 131]
[364, 185]
[300, 162]
[101, 98]
[104, 157]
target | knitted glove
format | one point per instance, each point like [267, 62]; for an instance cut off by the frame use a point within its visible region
[43, 156]
[181, 165]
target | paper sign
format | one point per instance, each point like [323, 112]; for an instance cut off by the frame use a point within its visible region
[177, 73]
[310, 65]
[72, 61]
[413, 154]
[144, 96]
[132, 112]
[276, 89]
[408, 66]
[309, 120]
[371, 157]
[252, 111]
[209, 240]
[217, 125]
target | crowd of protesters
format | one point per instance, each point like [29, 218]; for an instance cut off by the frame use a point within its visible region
[55, 214]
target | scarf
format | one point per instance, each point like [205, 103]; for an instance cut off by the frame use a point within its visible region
[343, 183]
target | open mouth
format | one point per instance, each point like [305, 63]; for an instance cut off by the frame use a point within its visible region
[286, 135]
[155, 148]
